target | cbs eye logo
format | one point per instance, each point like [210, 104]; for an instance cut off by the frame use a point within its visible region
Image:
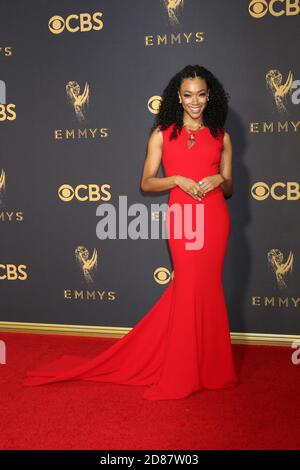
[84, 192]
[163, 275]
[279, 191]
[83, 22]
[154, 104]
[259, 8]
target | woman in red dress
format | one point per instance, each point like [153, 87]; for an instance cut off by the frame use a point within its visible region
[182, 344]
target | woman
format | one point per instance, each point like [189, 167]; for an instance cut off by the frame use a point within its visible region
[182, 345]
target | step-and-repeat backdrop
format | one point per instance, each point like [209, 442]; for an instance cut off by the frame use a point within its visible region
[80, 84]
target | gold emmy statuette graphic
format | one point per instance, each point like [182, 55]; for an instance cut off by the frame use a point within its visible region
[78, 101]
[2, 180]
[171, 6]
[275, 258]
[86, 264]
[278, 89]
[2, 184]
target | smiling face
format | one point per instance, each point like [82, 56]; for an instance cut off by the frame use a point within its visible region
[193, 94]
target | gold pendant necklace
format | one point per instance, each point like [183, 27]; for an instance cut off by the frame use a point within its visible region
[192, 137]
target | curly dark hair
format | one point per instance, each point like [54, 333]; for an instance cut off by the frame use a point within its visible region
[171, 111]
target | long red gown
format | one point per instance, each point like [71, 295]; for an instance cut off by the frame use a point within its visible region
[182, 344]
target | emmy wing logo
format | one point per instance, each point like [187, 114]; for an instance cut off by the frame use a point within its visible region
[2, 185]
[279, 90]
[79, 101]
[172, 7]
[86, 264]
[281, 269]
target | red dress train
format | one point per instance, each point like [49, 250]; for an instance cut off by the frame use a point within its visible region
[182, 344]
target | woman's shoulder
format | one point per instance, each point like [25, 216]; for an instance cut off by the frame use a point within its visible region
[160, 127]
[165, 131]
[224, 137]
[156, 136]
[222, 134]
[160, 131]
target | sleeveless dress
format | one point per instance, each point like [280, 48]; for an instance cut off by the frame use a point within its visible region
[182, 344]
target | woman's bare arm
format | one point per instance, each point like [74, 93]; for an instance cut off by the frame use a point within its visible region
[149, 181]
[226, 166]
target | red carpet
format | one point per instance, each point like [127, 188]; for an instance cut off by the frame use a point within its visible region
[262, 412]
